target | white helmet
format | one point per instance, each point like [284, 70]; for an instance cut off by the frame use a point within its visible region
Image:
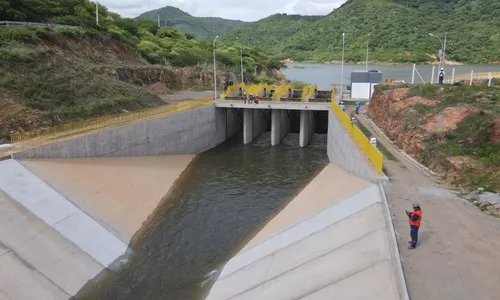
[442, 69]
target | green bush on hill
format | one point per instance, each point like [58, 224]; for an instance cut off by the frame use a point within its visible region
[165, 45]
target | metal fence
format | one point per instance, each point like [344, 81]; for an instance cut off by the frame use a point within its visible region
[37, 137]
[13, 23]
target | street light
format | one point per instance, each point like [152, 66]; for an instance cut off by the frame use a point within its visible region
[241, 60]
[367, 48]
[215, 72]
[442, 49]
[342, 70]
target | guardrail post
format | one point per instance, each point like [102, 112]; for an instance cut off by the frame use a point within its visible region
[453, 76]
[490, 77]
[471, 77]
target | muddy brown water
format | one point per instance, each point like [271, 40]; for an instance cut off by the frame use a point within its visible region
[224, 198]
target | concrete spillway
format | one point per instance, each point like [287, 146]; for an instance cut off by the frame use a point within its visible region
[320, 214]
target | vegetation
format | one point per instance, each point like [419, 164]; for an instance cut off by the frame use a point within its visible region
[397, 30]
[166, 45]
[199, 27]
[53, 75]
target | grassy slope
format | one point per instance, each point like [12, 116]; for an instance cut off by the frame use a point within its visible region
[49, 79]
[200, 27]
[398, 28]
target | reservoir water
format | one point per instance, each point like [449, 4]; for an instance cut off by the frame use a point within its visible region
[326, 75]
[224, 198]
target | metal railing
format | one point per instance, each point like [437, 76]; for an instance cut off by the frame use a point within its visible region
[371, 151]
[14, 23]
[37, 137]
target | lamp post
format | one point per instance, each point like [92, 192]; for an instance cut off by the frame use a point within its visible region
[97, 13]
[367, 49]
[215, 72]
[342, 70]
[442, 49]
[241, 61]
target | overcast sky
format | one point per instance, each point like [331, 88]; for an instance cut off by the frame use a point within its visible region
[247, 10]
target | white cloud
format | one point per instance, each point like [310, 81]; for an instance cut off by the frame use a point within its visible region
[247, 10]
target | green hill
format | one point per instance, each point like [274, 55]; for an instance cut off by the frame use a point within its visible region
[399, 32]
[200, 27]
[269, 32]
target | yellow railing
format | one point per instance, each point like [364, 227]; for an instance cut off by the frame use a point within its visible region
[372, 152]
[75, 128]
[230, 89]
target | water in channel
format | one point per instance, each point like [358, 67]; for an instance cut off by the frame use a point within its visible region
[224, 198]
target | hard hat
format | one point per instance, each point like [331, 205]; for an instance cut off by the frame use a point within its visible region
[415, 204]
[442, 69]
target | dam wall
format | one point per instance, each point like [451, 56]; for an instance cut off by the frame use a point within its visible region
[345, 152]
[187, 132]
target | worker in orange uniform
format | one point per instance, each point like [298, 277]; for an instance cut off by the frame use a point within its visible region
[414, 218]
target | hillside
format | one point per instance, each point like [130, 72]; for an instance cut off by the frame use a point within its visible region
[452, 129]
[52, 75]
[199, 27]
[269, 32]
[399, 32]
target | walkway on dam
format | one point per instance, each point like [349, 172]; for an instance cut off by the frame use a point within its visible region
[334, 238]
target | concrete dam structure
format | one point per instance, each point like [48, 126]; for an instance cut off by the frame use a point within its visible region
[71, 220]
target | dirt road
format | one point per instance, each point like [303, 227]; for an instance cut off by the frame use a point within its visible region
[458, 256]
[186, 95]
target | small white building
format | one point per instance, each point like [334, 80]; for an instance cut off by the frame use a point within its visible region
[363, 83]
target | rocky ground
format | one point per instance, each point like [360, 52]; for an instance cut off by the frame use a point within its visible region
[457, 254]
[454, 129]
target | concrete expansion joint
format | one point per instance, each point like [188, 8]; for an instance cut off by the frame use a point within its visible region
[346, 198]
[346, 245]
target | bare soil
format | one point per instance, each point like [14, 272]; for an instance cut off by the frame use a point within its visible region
[457, 256]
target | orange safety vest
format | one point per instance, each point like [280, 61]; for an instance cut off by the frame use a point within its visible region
[417, 222]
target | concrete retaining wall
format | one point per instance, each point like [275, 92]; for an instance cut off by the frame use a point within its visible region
[188, 132]
[343, 151]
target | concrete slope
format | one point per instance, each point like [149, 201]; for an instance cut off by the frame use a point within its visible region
[120, 193]
[36, 262]
[58, 213]
[327, 248]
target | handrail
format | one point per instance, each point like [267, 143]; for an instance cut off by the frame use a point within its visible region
[371, 151]
[16, 23]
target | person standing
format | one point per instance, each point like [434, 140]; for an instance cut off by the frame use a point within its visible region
[441, 76]
[373, 141]
[342, 106]
[358, 105]
[414, 219]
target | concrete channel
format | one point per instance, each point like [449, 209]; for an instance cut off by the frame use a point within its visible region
[330, 239]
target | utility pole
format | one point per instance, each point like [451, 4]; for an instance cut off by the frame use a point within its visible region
[342, 70]
[97, 13]
[241, 59]
[444, 48]
[215, 72]
[159, 24]
[367, 49]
